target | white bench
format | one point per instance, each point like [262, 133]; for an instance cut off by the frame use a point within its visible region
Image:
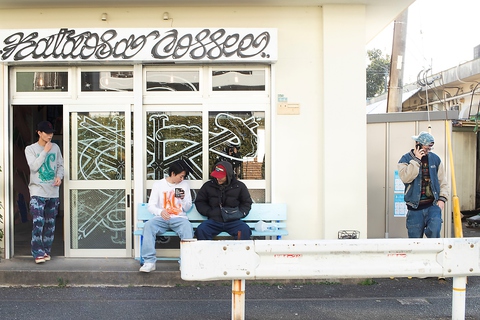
[275, 213]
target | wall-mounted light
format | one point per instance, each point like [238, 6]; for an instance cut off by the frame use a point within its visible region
[104, 17]
[166, 16]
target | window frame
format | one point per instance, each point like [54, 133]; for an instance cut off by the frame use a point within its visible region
[40, 96]
[102, 94]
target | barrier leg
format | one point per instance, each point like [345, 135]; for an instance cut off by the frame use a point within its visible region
[458, 298]
[238, 299]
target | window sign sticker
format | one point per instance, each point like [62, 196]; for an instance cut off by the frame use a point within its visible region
[399, 187]
[400, 209]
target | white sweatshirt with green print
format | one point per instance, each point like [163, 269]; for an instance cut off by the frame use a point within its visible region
[44, 167]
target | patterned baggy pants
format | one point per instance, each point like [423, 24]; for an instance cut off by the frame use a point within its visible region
[44, 212]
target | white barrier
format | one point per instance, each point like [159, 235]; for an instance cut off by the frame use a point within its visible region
[327, 259]
[297, 259]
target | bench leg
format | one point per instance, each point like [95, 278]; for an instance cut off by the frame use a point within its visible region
[141, 243]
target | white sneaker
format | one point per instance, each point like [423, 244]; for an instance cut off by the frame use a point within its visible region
[147, 267]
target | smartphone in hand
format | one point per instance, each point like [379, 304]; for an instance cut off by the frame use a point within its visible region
[420, 149]
[179, 192]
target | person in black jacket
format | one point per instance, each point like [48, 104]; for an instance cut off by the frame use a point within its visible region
[226, 190]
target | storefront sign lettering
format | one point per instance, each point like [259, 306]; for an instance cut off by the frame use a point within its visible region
[167, 45]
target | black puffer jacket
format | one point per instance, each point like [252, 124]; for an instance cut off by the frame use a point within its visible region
[232, 193]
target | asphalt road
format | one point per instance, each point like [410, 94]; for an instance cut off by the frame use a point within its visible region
[383, 299]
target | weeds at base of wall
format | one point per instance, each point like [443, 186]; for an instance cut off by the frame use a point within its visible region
[62, 283]
[368, 282]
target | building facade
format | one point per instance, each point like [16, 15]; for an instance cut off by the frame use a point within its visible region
[130, 89]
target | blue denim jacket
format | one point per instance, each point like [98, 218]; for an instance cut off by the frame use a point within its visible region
[409, 172]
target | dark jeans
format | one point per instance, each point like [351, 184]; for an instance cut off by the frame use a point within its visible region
[207, 230]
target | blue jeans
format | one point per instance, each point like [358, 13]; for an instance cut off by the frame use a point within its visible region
[427, 221]
[207, 230]
[44, 212]
[157, 225]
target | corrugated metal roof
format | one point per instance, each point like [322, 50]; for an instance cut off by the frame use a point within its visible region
[381, 106]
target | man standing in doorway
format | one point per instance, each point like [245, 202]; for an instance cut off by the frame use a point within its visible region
[46, 173]
[426, 189]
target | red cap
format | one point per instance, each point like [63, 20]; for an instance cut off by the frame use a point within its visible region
[219, 172]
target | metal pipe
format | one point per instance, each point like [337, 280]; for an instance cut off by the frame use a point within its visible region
[467, 94]
[457, 219]
[459, 283]
[458, 298]
[238, 299]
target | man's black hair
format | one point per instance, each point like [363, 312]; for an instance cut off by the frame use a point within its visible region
[178, 167]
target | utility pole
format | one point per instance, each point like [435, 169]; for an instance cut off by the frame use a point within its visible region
[395, 86]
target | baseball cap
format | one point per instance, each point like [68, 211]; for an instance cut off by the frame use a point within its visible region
[219, 172]
[45, 126]
[424, 138]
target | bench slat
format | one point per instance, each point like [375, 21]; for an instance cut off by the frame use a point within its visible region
[279, 225]
[224, 234]
[259, 211]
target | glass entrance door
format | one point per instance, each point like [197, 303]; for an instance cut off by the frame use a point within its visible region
[98, 198]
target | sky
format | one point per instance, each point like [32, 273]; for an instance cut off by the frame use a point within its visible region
[441, 34]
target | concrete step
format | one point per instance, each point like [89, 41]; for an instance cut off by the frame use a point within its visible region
[107, 272]
[61, 271]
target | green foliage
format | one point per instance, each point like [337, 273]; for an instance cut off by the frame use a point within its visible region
[377, 73]
[367, 282]
[62, 283]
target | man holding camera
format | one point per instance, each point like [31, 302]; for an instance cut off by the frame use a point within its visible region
[426, 189]
[169, 201]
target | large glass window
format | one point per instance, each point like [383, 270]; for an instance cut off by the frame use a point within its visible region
[221, 116]
[258, 195]
[32, 81]
[100, 145]
[172, 80]
[171, 136]
[238, 80]
[107, 81]
[239, 138]
[97, 219]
